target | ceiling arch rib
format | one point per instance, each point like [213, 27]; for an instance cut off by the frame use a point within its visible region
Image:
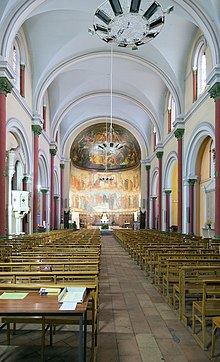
[143, 114]
[168, 78]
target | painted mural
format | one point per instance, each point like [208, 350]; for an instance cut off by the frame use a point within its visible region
[86, 153]
[89, 193]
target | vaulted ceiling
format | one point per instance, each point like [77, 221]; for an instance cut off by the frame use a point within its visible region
[74, 67]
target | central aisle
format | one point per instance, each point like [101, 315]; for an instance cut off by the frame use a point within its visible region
[135, 323]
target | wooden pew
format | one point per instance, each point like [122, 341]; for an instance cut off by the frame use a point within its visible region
[208, 307]
[190, 286]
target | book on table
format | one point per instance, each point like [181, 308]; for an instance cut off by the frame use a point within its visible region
[72, 294]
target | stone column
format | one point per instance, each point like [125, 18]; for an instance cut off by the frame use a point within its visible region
[24, 220]
[179, 135]
[148, 197]
[154, 198]
[159, 156]
[10, 173]
[191, 183]
[22, 79]
[215, 94]
[168, 192]
[56, 204]
[44, 206]
[5, 88]
[62, 165]
[53, 151]
[36, 128]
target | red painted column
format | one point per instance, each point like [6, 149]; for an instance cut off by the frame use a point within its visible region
[37, 131]
[159, 156]
[154, 212]
[22, 80]
[168, 192]
[215, 94]
[179, 135]
[5, 88]
[169, 120]
[52, 155]
[56, 212]
[45, 117]
[24, 220]
[62, 165]
[148, 197]
[191, 205]
[44, 206]
[195, 85]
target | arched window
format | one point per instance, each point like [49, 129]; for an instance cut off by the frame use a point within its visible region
[171, 110]
[199, 69]
[16, 65]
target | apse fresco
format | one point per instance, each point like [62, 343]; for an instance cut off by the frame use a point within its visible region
[88, 193]
[85, 151]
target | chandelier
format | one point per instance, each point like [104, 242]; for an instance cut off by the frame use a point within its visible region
[129, 22]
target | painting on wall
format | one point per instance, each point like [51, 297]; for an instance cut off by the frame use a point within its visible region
[88, 193]
[86, 153]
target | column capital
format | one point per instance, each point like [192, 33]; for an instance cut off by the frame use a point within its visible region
[44, 191]
[179, 132]
[159, 155]
[168, 191]
[53, 150]
[22, 66]
[153, 197]
[214, 91]
[56, 197]
[37, 129]
[191, 181]
[147, 167]
[5, 86]
[62, 165]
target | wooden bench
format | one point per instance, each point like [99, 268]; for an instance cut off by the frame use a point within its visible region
[208, 307]
[215, 327]
[190, 286]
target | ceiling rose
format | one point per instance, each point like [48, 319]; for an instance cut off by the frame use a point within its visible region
[129, 22]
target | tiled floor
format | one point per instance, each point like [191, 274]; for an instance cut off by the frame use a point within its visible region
[135, 323]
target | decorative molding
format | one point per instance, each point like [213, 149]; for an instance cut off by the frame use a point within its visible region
[6, 70]
[22, 102]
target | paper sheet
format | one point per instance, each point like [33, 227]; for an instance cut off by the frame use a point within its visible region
[9, 295]
[68, 306]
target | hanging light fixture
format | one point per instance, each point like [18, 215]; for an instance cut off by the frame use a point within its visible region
[129, 22]
[112, 143]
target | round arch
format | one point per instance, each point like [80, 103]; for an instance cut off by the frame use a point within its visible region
[17, 129]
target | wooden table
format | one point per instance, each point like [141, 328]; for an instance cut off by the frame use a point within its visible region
[44, 306]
